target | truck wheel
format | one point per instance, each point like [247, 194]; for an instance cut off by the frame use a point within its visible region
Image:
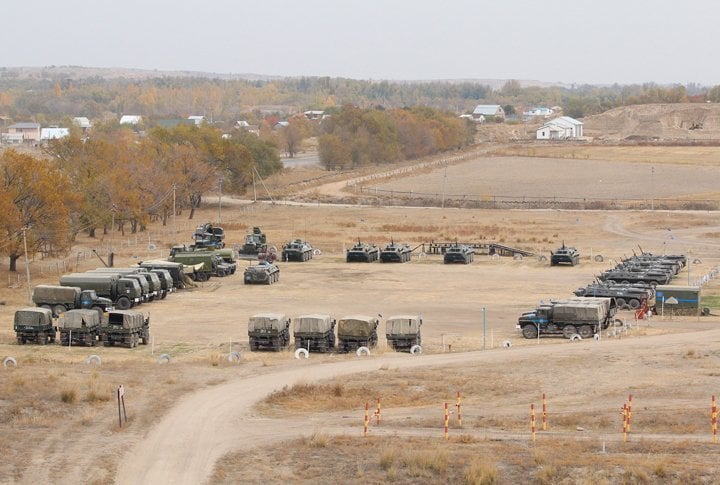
[585, 331]
[123, 303]
[221, 273]
[59, 309]
[42, 338]
[530, 331]
[569, 331]
[620, 303]
[634, 304]
[202, 277]
[47, 307]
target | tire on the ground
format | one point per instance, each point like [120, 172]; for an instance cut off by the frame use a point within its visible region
[506, 344]
[233, 356]
[362, 351]
[575, 336]
[164, 358]
[9, 360]
[302, 352]
[415, 350]
[93, 359]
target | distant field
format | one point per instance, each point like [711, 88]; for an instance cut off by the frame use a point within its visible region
[570, 178]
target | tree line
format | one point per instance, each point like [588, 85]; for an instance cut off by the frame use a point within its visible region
[116, 177]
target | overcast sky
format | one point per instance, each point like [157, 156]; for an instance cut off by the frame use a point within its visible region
[578, 41]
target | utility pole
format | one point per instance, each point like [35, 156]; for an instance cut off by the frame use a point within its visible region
[443, 187]
[174, 213]
[220, 202]
[652, 188]
[27, 264]
[254, 192]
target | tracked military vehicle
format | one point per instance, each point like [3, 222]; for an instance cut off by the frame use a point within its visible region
[79, 327]
[403, 331]
[395, 253]
[629, 296]
[314, 332]
[357, 331]
[125, 327]
[297, 250]
[565, 255]
[263, 273]
[362, 253]
[269, 331]
[34, 324]
[459, 253]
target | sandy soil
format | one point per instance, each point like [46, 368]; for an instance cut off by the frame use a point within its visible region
[188, 414]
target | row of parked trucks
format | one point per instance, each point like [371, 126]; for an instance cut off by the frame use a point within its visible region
[317, 332]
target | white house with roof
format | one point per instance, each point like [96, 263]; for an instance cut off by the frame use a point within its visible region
[482, 111]
[539, 111]
[53, 133]
[82, 122]
[130, 120]
[197, 119]
[563, 128]
[314, 114]
[30, 131]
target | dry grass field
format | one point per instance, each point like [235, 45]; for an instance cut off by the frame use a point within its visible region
[271, 418]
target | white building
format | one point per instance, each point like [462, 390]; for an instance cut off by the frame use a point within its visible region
[563, 128]
[53, 133]
[482, 111]
[82, 122]
[130, 120]
[539, 111]
[198, 120]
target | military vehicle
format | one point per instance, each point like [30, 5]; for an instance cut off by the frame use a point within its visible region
[255, 243]
[123, 292]
[176, 270]
[34, 324]
[263, 273]
[212, 264]
[228, 256]
[209, 236]
[297, 250]
[395, 253]
[625, 276]
[362, 253]
[149, 282]
[357, 331]
[125, 327]
[60, 299]
[459, 253]
[79, 327]
[645, 261]
[403, 331]
[582, 316]
[269, 331]
[639, 266]
[629, 296]
[314, 332]
[166, 281]
[565, 255]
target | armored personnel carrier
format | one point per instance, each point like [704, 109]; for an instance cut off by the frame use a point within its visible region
[565, 255]
[255, 243]
[395, 253]
[362, 253]
[263, 273]
[625, 276]
[34, 324]
[297, 250]
[314, 332]
[629, 296]
[357, 331]
[403, 331]
[79, 327]
[269, 331]
[459, 253]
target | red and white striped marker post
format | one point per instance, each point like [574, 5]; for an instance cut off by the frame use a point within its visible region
[625, 422]
[544, 415]
[532, 421]
[629, 412]
[377, 411]
[714, 420]
[459, 409]
[367, 418]
[447, 420]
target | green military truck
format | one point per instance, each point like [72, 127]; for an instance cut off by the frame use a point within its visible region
[403, 331]
[212, 263]
[357, 331]
[314, 332]
[176, 270]
[124, 293]
[149, 282]
[79, 327]
[269, 331]
[60, 299]
[34, 324]
[567, 318]
[125, 327]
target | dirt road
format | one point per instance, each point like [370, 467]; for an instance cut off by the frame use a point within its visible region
[184, 446]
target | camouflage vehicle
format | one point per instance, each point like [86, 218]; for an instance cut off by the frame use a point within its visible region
[565, 255]
[269, 331]
[212, 264]
[255, 243]
[630, 275]
[125, 327]
[176, 270]
[149, 282]
[403, 331]
[297, 250]
[263, 273]
[60, 299]
[582, 316]
[357, 331]
[34, 324]
[362, 253]
[123, 292]
[209, 236]
[79, 327]
[166, 281]
[314, 332]
[629, 296]
[395, 253]
[459, 253]
[647, 261]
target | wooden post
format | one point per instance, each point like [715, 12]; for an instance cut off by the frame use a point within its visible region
[544, 413]
[367, 418]
[714, 420]
[629, 412]
[532, 421]
[377, 412]
[625, 422]
[459, 409]
[447, 420]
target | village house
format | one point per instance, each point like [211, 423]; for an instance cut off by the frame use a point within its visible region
[30, 132]
[563, 128]
[484, 111]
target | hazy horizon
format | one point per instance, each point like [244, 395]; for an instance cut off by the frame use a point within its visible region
[580, 43]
